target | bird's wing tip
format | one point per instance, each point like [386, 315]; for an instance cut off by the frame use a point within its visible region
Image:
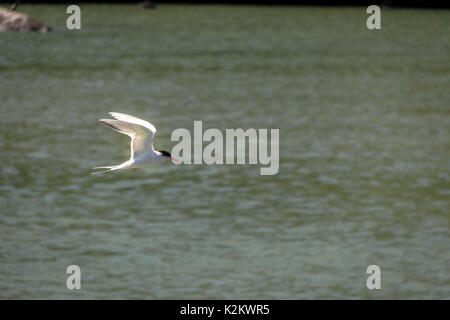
[114, 113]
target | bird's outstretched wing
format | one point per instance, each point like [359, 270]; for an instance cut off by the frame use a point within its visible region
[141, 132]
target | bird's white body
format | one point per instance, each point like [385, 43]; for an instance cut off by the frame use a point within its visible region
[142, 134]
[145, 159]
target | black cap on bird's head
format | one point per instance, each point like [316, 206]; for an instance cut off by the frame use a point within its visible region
[166, 154]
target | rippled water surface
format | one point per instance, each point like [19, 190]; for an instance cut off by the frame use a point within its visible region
[364, 121]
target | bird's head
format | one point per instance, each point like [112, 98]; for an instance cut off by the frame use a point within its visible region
[167, 155]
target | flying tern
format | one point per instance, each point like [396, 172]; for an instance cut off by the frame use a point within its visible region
[142, 134]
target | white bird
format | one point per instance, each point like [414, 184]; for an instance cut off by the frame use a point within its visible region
[142, 134]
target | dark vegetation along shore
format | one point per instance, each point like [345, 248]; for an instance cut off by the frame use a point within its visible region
[11, 20]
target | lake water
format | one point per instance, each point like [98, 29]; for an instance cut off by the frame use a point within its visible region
[364, 121]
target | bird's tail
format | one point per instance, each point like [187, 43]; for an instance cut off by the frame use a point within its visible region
[110, 168]
[126, 164]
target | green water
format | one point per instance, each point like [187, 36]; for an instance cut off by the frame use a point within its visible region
[364, 121]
